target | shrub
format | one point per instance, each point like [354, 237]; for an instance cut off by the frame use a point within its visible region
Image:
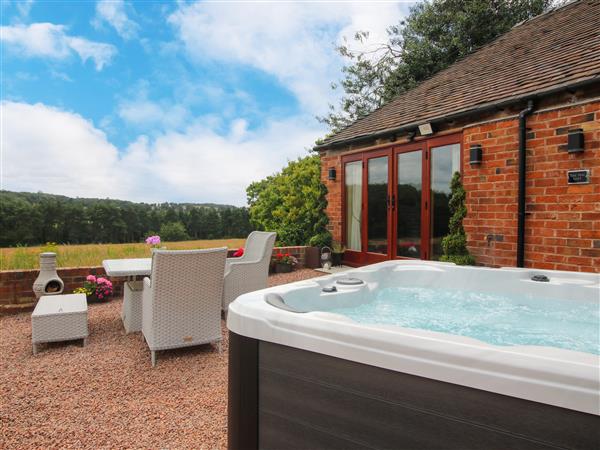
[173, 231]
[321, 240]
[454, 244]
[292, 202]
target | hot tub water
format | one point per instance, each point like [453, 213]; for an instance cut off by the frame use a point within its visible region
[493, 318]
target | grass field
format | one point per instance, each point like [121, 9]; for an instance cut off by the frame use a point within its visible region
[92, 254]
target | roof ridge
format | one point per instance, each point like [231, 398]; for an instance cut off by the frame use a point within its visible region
[460, 59]
[550, 10]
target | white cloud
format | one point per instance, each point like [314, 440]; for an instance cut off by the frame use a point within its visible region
[24, 7]
[98, 52]
[48, 149]
[113, 12]
[142, 112]
[146, 112]
[292, 41]
[49, 40]
[196, 165]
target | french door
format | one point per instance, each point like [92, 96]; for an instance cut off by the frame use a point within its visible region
[395, 201]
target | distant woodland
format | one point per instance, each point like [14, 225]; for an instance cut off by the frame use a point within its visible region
[37, 218]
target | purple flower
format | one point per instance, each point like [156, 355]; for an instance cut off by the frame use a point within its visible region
[153, 240]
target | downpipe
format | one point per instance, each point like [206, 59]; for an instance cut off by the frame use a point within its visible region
[522, 179]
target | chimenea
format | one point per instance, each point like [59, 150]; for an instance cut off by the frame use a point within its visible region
[48, 281]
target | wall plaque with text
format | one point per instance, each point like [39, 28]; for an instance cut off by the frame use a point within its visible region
[578, 176]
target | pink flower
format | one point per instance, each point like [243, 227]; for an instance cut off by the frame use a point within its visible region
[101, 280]
[153, 240]
[91, 278]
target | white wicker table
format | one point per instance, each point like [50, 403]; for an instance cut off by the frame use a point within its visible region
[131, 312]
[133, 267]
[59, 318]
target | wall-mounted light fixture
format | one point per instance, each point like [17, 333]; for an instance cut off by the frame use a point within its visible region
[475, 154]
[331, 173]
[575, 142]
[425, 129]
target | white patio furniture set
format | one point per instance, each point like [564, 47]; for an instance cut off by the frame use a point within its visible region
[178, 306]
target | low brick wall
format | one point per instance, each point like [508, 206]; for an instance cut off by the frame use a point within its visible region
[16, 293]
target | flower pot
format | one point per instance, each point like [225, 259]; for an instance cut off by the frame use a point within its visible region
[94, 299]
[336, 259]
[283, 268]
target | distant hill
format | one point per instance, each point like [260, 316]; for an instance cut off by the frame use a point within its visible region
[36, 218]
[37, 196]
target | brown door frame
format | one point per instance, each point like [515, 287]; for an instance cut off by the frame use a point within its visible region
[352, 257]
[438, 141]
[425, 145]
[371, 257]
[401, 149]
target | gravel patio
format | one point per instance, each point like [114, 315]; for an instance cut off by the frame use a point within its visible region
[106, 395]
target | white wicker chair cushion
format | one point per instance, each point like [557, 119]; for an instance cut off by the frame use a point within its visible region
[181, 305]
[251, 271]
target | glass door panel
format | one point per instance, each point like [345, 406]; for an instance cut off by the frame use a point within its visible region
[353, 183]
[408, 209]
[377, 211]
[445, 160]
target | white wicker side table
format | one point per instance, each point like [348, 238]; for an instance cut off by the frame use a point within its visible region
[59, 318]
[131, 312]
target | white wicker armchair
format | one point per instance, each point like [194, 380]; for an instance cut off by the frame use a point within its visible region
[249, 272]
[182, 302]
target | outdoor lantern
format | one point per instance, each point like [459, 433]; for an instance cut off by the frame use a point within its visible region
[476, 154]
[425, 129]
[575, 142]
[326, 258]
[331, 174]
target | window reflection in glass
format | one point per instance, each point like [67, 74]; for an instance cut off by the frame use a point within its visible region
[445, 160]
[353, 182]
[409, 204]
[377, 201]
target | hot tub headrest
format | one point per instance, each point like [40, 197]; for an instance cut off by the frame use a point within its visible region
[277, 301]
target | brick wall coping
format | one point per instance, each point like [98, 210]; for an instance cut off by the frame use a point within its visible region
[16, 292]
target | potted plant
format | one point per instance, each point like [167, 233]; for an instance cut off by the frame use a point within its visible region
[284, 262]
[337, 253]
[153, 241]
[96, 289]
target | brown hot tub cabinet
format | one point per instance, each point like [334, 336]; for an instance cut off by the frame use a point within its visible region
[286, 398]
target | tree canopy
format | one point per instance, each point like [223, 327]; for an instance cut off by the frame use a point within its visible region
[291, 203]
[434, 35]
[33, 219]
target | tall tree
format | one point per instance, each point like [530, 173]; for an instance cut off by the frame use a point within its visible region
[435, 34]
[291, 202]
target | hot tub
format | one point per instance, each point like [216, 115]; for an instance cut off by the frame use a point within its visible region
[415, 354]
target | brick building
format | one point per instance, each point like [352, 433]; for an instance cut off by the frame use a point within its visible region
[528, 104]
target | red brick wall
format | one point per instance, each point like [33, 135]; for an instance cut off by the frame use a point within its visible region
[16, 285]
[562, 228]
[563, 221]
[16, 292]
[334, 194]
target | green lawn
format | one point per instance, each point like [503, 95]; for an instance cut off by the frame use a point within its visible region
[93, 254]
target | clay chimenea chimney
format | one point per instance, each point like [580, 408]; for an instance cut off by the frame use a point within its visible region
[48, 281]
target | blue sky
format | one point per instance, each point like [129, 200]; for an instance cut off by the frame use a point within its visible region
[165, 101]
